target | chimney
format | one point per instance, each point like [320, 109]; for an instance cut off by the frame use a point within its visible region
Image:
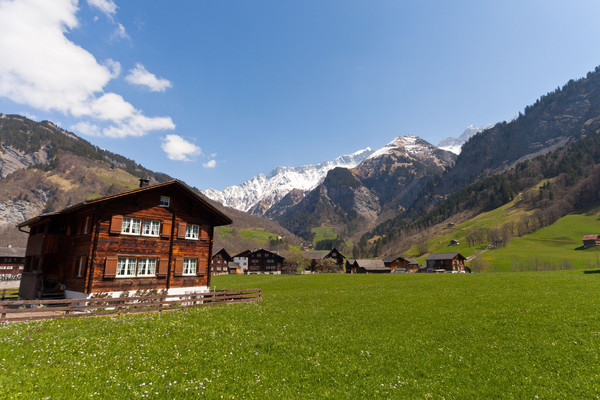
[144, 182]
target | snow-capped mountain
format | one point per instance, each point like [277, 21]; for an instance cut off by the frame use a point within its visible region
[415, 148]
[455, 144]
[259, 193]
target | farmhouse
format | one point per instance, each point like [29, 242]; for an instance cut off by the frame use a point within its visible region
[591, 241]
[446, 262]
[153, 237]
[263, 261]
[241, 260]
[370, 267]
[219, 262]
[401, 264]
[317, 257]
[12, 260]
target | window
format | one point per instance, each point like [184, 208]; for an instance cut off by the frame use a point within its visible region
[131, 226]
[191, 231]
[146, 267]
[189, 266]
[86, 225]
[81, 263]
[126, 266]
[165, 201]
[151, 228]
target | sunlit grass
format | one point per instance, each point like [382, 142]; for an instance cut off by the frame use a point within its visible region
[518, 335]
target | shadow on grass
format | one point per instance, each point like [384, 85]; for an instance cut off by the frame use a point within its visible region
[592, 271]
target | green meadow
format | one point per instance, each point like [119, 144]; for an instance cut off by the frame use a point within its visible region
[502, 335]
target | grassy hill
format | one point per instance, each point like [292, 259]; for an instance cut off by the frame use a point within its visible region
[558, 246]
[329, 336]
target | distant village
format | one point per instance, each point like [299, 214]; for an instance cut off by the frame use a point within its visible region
[159, 237]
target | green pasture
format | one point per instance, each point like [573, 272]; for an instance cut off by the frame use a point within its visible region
[559, 244]
[323, 233]
[331, 336]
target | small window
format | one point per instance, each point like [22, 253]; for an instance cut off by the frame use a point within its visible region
[146, 267]
[165, 201]
[191, 231]
[151, 228]
[126, 266]
[189, 266]
[131, 226]
[81, 263]
[86, 225]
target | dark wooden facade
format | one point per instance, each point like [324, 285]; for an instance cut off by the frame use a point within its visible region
[12, 261]
[263, 261]
[316, 257]
[446, 262]
[367, 267]
[220, 262]
[154, 237]
[401, 264]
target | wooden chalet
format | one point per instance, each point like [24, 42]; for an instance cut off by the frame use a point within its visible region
[591, 241]
[234, 269]
[446, 262]
[153, 237]
[12, 262]
[263, 261]
[220, 262]
[401, 264]
[370, 267]
[316, 257]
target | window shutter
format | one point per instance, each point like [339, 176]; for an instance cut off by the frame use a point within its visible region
[166, 229]
[181, 230]
[110, 269]
[115, 223]
[163, 267]
[178, 266]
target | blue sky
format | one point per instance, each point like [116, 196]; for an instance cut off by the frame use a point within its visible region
[215, 92]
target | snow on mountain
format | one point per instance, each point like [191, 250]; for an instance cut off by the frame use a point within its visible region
[412, 147]
[455, 144]
[271, 188]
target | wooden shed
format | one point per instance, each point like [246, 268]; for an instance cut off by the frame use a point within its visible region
[153, 237]
[371, 267]
[591, 241]
[219, 262]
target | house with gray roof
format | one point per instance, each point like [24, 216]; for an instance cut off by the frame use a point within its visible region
[446, 262]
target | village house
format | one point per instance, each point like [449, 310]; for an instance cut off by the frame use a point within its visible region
[401, 264]
[263, 261]
[591, 241]
[446, 262]
[12, 261]
[219, 264]
[154, 237]
[317, 257]
[368, 267]
[241, 260]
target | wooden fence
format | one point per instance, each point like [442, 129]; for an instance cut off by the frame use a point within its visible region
[9, 294]
[30, 310]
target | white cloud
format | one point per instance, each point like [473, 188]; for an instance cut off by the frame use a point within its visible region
[87, 128]
[42, 69]
[119, 33]
[113, 66]
[210, 164]
[179, 149]
[140, 76]
[108, 7]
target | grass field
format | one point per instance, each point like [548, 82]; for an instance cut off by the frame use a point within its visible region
[323, 233]
[503, 335]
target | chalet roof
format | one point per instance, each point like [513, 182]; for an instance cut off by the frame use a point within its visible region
[220, 218]
[411, 261]
[394, 258]
[443, 256]
[267, 251]
[372, 265]
[12, 252]
[591, 237]
[233, 265]
[219, 250]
